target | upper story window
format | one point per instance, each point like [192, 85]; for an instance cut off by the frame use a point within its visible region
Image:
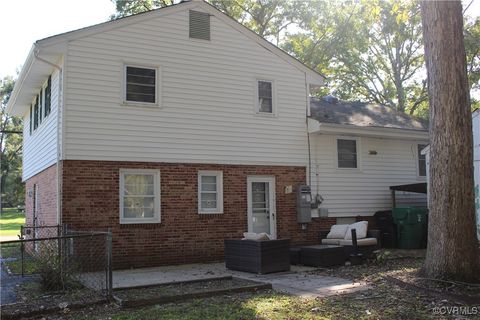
[141, 85]
[199, 25]
[210, 192]
[31, 119]
[41, 106]
[347, 156]
[265, 102]
[48, 96]
[35, 114]
[422, 163]
[139, 196]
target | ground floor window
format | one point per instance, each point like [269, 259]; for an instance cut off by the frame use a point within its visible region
[139, 196]
[210, 192]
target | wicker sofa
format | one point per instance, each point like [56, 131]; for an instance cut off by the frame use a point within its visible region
[258, 256]
[366, 246]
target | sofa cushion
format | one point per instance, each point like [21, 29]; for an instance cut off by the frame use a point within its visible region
[255, 236]
[337, 231]
[361, 228]
[360, 242]
[331, 241]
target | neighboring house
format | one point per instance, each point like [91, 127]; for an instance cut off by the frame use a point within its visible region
[178, 128]
[358, 150]
[476, 164]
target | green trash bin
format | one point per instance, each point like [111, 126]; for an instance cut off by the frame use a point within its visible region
[411, 227]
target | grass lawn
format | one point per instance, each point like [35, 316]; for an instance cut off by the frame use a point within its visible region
[10, 221]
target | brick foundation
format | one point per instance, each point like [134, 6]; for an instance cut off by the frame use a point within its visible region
[46, 182]
[90, 200]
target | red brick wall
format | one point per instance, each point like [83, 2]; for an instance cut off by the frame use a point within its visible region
[46, 181]
[90, 201]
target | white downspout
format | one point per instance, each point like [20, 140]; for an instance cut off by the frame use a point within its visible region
[36, 52]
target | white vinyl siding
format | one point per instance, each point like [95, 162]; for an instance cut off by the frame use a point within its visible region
[210, 192]
[40, 147]
[207, 94]
[363, 192]
[139, 196]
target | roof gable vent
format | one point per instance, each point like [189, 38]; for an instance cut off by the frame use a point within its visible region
[199, 25]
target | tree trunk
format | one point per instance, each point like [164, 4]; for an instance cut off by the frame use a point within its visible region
[452, 251]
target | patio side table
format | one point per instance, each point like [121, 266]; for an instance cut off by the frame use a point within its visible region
[262, 256]
[322, 255]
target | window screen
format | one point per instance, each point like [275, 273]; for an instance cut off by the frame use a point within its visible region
[265, 97]
[199, 25]
[141, 84]
[347, 153]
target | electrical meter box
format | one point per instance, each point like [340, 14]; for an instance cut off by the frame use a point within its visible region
[304, 200]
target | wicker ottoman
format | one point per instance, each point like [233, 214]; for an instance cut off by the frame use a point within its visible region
[322, 255]
[263, 256]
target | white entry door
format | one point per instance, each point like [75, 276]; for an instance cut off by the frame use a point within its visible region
[261, 205]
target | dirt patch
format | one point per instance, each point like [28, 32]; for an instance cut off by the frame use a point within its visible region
[32, 301]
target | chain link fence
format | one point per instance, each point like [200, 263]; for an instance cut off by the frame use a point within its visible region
[62, 259]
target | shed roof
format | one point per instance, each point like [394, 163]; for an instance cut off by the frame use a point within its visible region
[363, 115]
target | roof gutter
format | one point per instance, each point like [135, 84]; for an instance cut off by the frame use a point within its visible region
[36, 51]
[20, 80]
[374, 132]
[32, 56]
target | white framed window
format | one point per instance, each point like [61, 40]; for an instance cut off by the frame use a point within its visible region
[210, 192]
[139, 196]
[347, 153]
[421, 161]
[265, 97]
[141, 85]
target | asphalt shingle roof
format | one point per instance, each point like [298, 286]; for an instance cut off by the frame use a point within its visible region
[363, 115]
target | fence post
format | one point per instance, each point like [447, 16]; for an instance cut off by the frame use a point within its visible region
[59, 256]
[109, 263]
[22, 249]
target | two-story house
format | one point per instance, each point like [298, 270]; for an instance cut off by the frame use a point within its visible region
[176, 129]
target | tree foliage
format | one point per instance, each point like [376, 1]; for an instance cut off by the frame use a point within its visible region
[370, 50]
[472, 48]
[11, 188]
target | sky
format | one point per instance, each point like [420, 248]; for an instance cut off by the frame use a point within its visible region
[25, 21]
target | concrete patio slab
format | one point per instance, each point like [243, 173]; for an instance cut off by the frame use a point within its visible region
[299, 281]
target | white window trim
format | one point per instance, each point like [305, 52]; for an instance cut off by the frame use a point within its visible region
[417, 164]
[359, 158]
[219, 175]
[156, 190]
[274, 99]
[157, 86]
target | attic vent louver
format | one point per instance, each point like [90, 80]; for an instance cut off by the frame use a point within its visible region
[199, 25]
